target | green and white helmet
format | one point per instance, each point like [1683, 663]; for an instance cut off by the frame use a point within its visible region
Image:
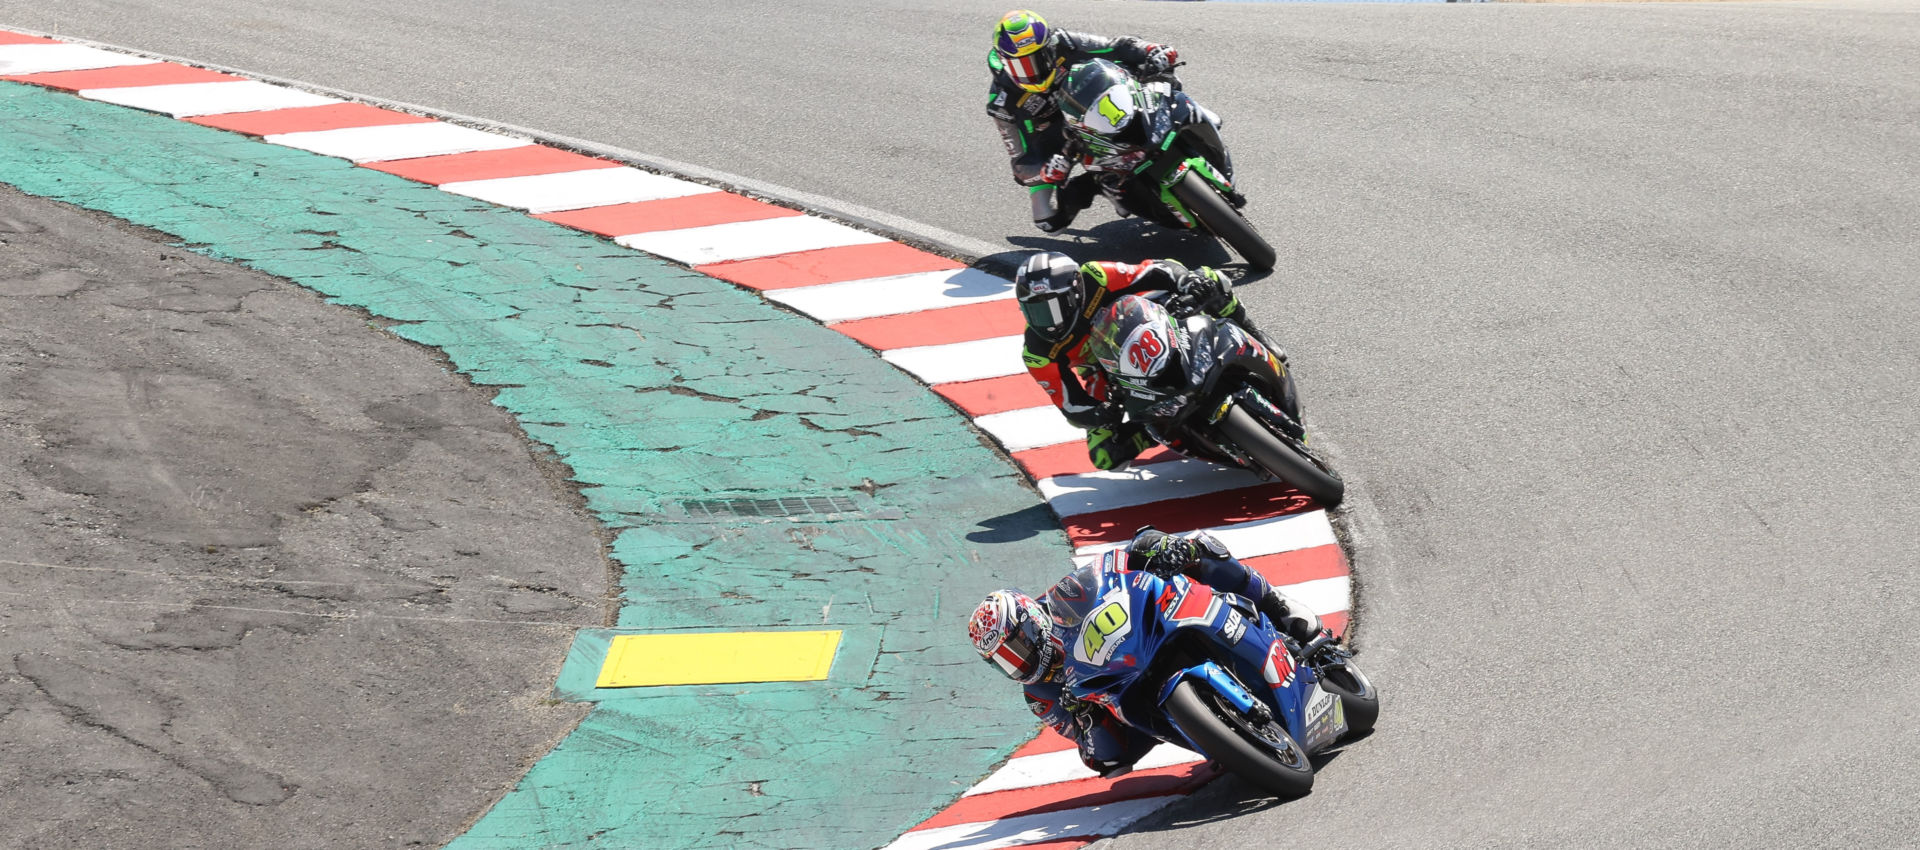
[1100, 97]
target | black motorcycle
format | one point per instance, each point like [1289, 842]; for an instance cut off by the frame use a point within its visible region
[1208, 389]
[1155, 152]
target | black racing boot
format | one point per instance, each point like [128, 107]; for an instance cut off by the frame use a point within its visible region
[1298, 621]
[1069, 200]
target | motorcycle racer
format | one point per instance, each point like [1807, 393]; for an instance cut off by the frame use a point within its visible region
[1059, 300]
[1017, 634]
[1028, 61]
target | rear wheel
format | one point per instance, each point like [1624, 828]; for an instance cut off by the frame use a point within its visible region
[1358, 698]
[1306, 473]
[1219, 217]
[1261, 753]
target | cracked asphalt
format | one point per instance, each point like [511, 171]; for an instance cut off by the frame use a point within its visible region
[218, 495]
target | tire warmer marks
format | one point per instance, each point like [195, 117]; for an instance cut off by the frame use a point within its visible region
[951, 327]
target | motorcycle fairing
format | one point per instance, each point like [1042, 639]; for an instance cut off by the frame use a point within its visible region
[1124, 618]
[1326, 719]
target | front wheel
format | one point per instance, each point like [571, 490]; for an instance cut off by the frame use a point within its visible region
[1219, 217]
[1307, 474]
[1261, 753]
[1359, 699]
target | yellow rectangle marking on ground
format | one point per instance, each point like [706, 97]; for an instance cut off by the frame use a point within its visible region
[714, 658]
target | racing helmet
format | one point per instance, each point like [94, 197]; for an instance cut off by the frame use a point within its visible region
[1099, 97]
[1027, 49]
[1013, 633]
[1049, 291]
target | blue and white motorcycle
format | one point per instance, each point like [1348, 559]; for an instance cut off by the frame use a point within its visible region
[1205, 670]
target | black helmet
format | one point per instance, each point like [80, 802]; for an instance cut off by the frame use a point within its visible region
[1048, 289]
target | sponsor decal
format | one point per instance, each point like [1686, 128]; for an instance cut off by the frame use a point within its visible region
[1279, 668]
[1321, 703]
[1326, 719]
[1235, 628]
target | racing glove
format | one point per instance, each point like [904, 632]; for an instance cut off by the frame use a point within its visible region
[1160, 59]
[1161, 553]
[1086, 721]
[1206, 288]
[1055, 171]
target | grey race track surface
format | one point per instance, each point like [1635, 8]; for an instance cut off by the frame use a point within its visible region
[249, 598]
[1607, 312]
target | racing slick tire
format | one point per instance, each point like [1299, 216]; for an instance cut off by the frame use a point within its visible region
[1263, 754]
[1307, 474]
[1219, 217]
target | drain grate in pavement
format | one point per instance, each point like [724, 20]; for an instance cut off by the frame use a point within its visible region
[791, 506]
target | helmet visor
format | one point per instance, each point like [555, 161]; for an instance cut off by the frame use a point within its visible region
[1034, 71]
[1046, 315]
[1019, 654]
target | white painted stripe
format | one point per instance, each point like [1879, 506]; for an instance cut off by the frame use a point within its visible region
[960, 361]
[746, 240]
[184, 100]
[572, 190]
[41, 58]
[1030, 428]
[1065, 766]
[1323, 595]
[1269, 536]
[1085, 493]
[891, 296]
[396, 141]
[1033, 829]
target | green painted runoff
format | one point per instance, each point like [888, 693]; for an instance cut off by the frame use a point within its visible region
[657, 385]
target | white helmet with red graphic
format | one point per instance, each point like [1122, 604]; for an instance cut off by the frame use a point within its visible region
[1013, 633]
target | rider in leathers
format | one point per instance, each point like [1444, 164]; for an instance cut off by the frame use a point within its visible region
[1028, 61]
[1060, 301]
[1015, 633]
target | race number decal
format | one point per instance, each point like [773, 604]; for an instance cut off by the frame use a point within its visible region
[1146, 352]
[1106, 628]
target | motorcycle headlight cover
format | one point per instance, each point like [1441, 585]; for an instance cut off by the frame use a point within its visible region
[1087, 86]
[1134, 340]
[1112, 111]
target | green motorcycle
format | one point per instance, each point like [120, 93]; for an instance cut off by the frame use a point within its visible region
[1157, 154]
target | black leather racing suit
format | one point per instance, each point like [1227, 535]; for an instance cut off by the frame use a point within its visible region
[1030, 124]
